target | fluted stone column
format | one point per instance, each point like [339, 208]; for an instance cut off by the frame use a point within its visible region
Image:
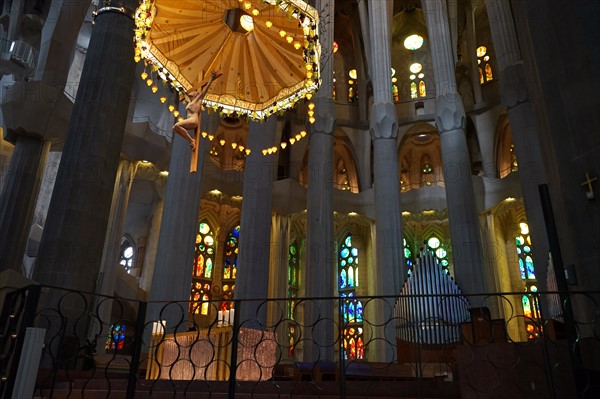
[278, 274]
[252, 280]
[320, 265]
[18, 198]
[71, 247]
[172, 277]
[114, 233]
[389, 267]
[450, 122]
[525, 133]
[470, 58]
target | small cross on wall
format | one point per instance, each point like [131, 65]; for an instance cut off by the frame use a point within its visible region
[588, 182]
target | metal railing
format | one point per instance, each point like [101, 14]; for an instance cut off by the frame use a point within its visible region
[129, 348]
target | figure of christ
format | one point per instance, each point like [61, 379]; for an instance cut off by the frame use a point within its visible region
[193, 109]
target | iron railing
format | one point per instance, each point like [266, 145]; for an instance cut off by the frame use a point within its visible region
[114, 347]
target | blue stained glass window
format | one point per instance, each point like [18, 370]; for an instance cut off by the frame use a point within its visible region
[354, 252]
[345, 252]
[522, 268]
[359, 312]
[348, 241]
[350, 277]
[343, 279]
[350, 260]
[526, 249]
[202, 270]
[530, 270]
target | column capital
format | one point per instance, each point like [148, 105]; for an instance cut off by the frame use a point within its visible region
[324, 116]
[513, 86]
[384, 124]
[449, 112]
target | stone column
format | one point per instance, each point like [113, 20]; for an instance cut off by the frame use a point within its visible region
[526, 135]
[389, 266]
[172, 277]
[450, 122]
[252, 280]
[320, 265]
[18, 199]
[71, 247]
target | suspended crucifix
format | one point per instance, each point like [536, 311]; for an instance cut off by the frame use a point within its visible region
[266, 50]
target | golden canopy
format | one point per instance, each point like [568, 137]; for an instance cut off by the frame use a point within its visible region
[266, 67]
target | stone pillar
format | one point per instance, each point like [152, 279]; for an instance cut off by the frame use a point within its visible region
[59, 38]
[112, 242]
[320, 265]
[71, 247]
[175, 252]
[450, 122]
[18, 199]
[252, 280]
[526, 135]
[388, 217]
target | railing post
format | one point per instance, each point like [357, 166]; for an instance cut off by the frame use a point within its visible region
[561, 282]
[137, 349]
[234, 348]
[20, 323]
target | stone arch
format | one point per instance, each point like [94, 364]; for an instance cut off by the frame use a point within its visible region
[345, 172]
[504, 154]
[420, 142]
[222, 153]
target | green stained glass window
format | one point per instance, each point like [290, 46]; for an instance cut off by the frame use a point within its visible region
[202, 269]
[351, 309]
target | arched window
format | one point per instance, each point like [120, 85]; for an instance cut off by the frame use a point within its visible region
[230, 267]
[202, 272]
[126, 254]
[351, 309]
[408, 256]
[395, 92]
[293, 270]
[422, 89]
[531, 308]
[485, 68]
[440, 252]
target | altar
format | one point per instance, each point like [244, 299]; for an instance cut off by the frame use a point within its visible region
[205, 354]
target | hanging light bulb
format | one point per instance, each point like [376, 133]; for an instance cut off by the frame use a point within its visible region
[298, 137]
[274, 149]
[137, 58]
[311, 112]
[222, 142]
[289, 39]
[303, 133]
[247, 151]
[154, 89]
[233, 145]
[149, 82]
[309, 74]
[163, 99]
[292, 140]
[176, 113]
[171, 108]
[269, 24]
[297, 45]
[204, 134]
[180, 119]
[308, 96]
[311, 105]
[282, 33]
[264, 152]
[255, 12]
[283, 145]
[241, 148]
[144, 75]
[312, 119]
[211, 137]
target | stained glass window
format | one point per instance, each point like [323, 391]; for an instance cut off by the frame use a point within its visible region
[440, 252]
[408, 256]
[230, 267]
[116, 337]
[127, 254]
[202, 271]
[351, 308]
[293, 269]
[531, 307]
[422, 89]
[485, 68]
